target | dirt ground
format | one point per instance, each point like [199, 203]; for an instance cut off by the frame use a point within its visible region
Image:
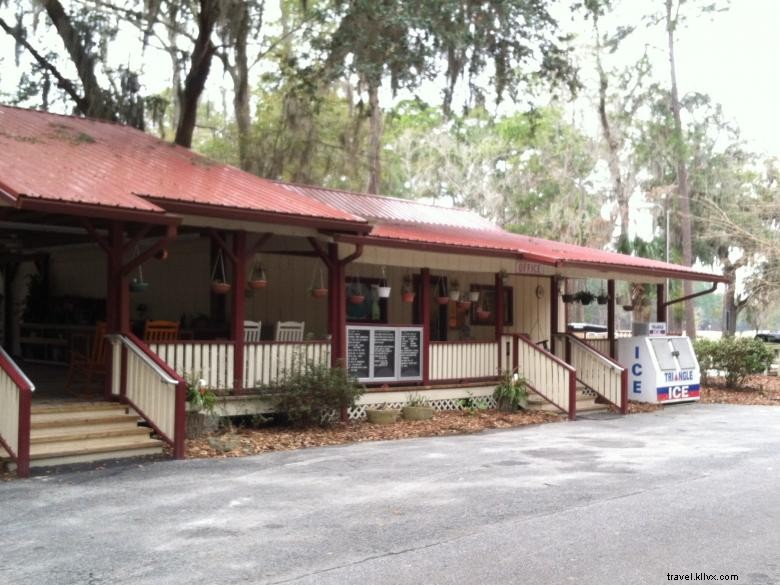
[761, 390]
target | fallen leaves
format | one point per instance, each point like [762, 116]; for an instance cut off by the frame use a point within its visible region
[759, 390]
[242, 442]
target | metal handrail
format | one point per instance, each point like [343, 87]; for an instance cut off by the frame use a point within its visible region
[164, 376]
[17, 369]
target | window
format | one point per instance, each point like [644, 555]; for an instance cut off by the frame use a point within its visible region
[487, 302]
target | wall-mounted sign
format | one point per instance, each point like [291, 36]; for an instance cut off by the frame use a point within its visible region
[657, 328]
[384, 354]
[533, 269]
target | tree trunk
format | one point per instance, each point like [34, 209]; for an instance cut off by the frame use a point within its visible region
[683, 192]
[96, 103]
[200, 64]
[240, 75]
[613, 147]
[375, 140]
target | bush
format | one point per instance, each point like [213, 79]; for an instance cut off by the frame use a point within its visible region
[511, 392]
[736, 357]
[311, 392]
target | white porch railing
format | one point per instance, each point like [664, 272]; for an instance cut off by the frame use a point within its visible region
[209, 360]
[595, 370]
[463, 360]
[266, 362]
[600, 345]
[15, 397]
[547, 375]
[151, 388]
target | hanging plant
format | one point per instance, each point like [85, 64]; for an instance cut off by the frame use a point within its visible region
[138, 284]
[383, 289]
[602, 299]
[219, 284]
[464, 303]
[584, 296]
[474, 296]
[454, 290]
[356, 296]
[504, 275]
[407, 294]
[318, 290]
[257, 279]
[567, 298]
[441, 294]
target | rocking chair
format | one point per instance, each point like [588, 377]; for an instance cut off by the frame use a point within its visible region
[91, 364]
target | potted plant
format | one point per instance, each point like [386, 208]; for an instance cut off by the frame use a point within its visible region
[584, 296]
[474, 296]
[454, 290]
[384, 289]
[257, 279]
[483, 314]
[219, 283]
[464, 302]
[602, 299]
[382, 415]
[138, 284]
[567, 298]
[201, 401]
[318, 290]
[356, 296]
[408, 291]
[417, 408]
[511, 392]
[504, 275]
[441, 295]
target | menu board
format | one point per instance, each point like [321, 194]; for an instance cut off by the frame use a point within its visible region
[411, 353]
[358, 348]
[384, 353]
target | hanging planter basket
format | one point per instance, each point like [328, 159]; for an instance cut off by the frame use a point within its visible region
[219, 284]
[443, 300]
[257, 279]
[318, 290]
[483, 315]
[138, 284]
[357, 299]
[407, 296]
[384, 292]
[474, 296]
[602, 299]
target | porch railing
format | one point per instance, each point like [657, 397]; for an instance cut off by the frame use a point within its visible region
[463, 360]
[596, 370]
[265, 362]
[547, 375]
[152, 388]
[15, 402]
[209, 360]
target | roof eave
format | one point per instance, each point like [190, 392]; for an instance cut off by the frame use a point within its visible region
[681, 274]
[97, 211]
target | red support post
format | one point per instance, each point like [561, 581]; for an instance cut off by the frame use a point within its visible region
[179, 421]
[238, 309]
[332, 262]
[660, 310]
[572, 395]
[611, 317]
[553, 311]
[23, 449]
[624, 392]
[117, 296]
[425, 300]
[499, 316]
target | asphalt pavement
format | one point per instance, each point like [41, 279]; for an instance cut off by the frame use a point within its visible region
[691, 490]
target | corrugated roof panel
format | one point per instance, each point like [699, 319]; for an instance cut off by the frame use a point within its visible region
[394, 209]
[78, 160]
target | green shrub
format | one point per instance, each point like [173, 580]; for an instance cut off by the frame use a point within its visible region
[310, 392]
[736, 357]
[511, 392]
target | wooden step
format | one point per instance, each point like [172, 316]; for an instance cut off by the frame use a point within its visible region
[63, 419]
[96, 431]
[92, 446]
[50, 408]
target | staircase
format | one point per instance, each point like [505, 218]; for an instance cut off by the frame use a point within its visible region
[586, 403]
[86, 431]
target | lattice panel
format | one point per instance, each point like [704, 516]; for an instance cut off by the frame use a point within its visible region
[359, 411]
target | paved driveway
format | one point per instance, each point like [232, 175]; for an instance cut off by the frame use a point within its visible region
[692, 489]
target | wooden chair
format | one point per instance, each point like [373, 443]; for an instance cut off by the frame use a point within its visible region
[252, 331]
[161, 331]
[289, 331]
[92, 363]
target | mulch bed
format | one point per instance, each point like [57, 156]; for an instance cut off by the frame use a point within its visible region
[759, 390]
[247, 441]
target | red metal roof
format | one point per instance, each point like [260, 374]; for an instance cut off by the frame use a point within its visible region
[77, 160]
[499, 242]
[394, 209]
